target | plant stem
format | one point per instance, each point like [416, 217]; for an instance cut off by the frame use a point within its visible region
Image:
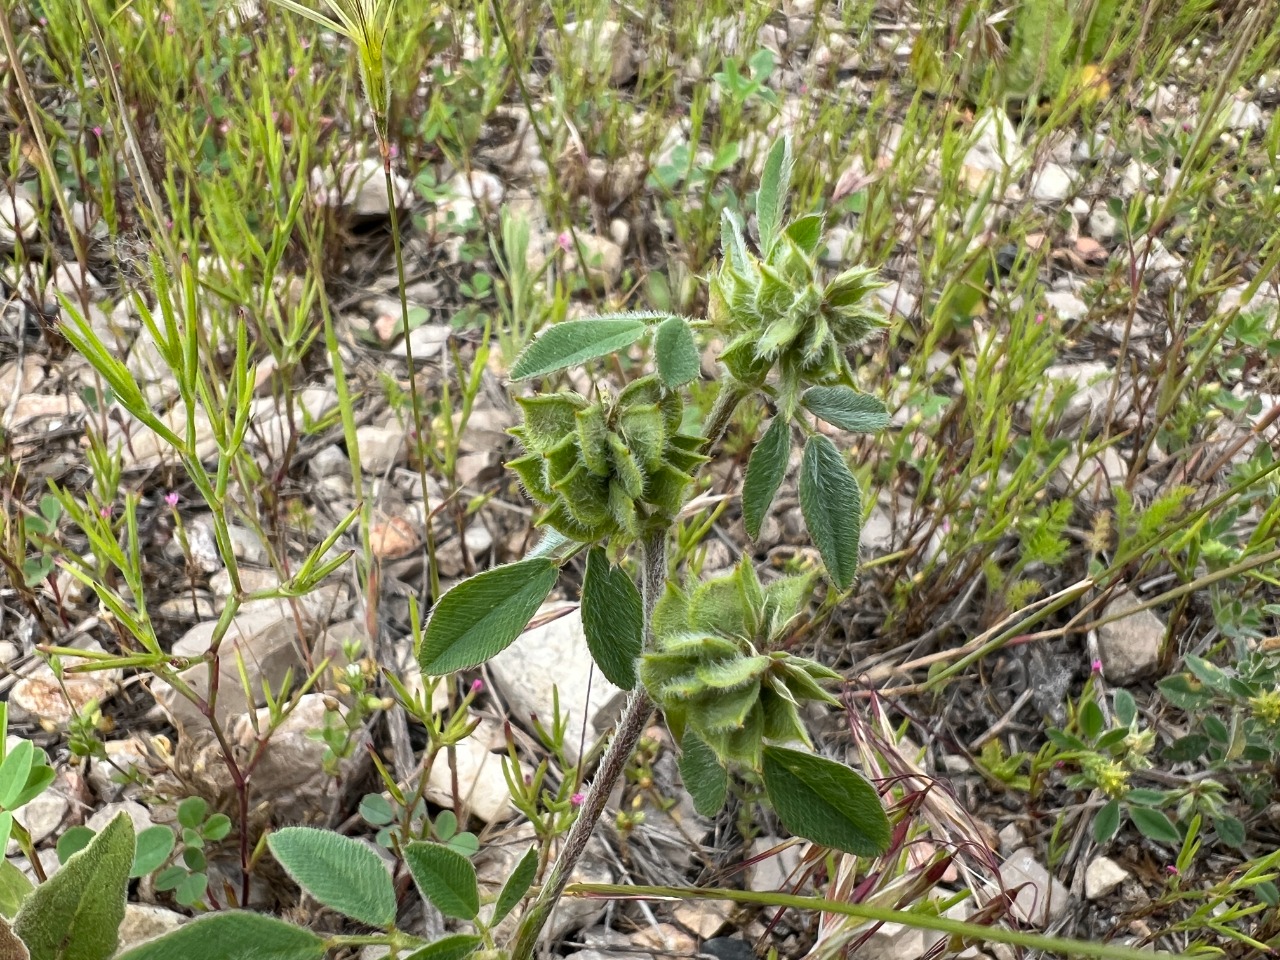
[632, 723]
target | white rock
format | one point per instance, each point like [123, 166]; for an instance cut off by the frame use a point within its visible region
[1263, 301]
[1041, 899]
[1162, 269]
[136, 812]
[329, 462]
[41, 817]
[427, 341]
[1092, 387]
[381, 447]
[360, 188]
[603, 50]
[125, 754]
[1066, 304]
[38, 697]
[482, 786]
[17, 218]
[1051, 183]
[145, 921]
[1244, 116]
[603, 260]
[1129, 647]
[555, 655]
[996, 145]
[1102, 876]
[1011, 838]
[773, 872]
[896, 300]
[1102, 225]
[8, 652]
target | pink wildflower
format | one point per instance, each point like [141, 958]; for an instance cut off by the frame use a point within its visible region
[577, 799]
[171, 498]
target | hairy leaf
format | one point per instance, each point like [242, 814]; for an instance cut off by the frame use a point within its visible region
[570, 343]
[703, 776]
[765, 470]
[454, 947]
[825, 802]
[846, 408]
[831, 502]
[446, 878]
[676, 352]
[339, 871]
[232, 935]
[482, 616]
[771, 199]
[516, 887]
[612, 618]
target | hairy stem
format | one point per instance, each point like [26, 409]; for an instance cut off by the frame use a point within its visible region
[632, 723]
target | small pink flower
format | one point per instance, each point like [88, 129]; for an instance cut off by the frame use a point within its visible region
[577, 799]
[165, 17]
[477, 685]
[394, 150]
[564, 241]
[224, 126]
[171, 498]
[97, 131]
[1039, 319]
[105, 512]
[1172, 870]
[1096, 666]
[292, 71]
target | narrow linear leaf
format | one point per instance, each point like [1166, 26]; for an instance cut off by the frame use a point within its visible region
[847, 409]
[446, 878]
[448, 948]
[11, 948]
[1154, 825]
[825, 802]
[831, 502]
[482, 616]
[75, 914]
[232, 935]
[703, 776]
[570, 343]
[339, 871]
[516, 887]
[612, 618]
[765, 470]
[676, 352]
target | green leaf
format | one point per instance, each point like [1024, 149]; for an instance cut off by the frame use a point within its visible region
[806, 232]
[39, 777]
[75, 914]
[340, 872]
[612, 618]
[831, 502]
[1230, 831]
[376, 810]
[483, 615]
[446, 878]
[191, 812]
[6, 826]
[676, 352]
[13, 772]
[448, 948]
[847, 409]
[771, 199]
[154, 846]
[573, 342]
[14, 888]
[72, 841]
[516, 887]
[1126, 707]
[1186, 749]
[11, 948]
[765, 470]
[1107, 822]
[232, 935]
[825, 802]
[1154, 825]
[703, 776]
[446, 825]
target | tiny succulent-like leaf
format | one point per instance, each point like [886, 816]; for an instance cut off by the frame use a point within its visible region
[612, 618]
[572, 342]
[705, 779]
[483, 615]
[845, 408]
[74, 915]
[831, 502]
[765, 471]
[825, 802]
[771, 198]
[446, 878]
[676, 352]
[339, 871]
[232, 935]
[516, 887]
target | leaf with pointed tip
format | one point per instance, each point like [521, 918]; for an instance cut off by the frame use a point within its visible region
[74, 915]
[483, 615]
[232, 935]
[516, 887]
[703, 776]
[825, 802]
[771, 198]
[573, 342]
[612, 618]
[847, 409]
[446, 878]
[339, 871]
[831, 502]
[765, 471]
[676, 352]
[806, 232]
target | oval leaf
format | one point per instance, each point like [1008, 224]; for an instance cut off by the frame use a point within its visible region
[13, 772]
[765, 470]
[14, 888]
[612, 618]
[1154, 825]
[831, 502]
[446, 878]
[570, 343]
[154, 846]
[847, 409]
[340, 872]
[516, 887]
[1107, 822]
[825, 802]
[703, 776]
[482, 616]
[676, 352]
[77, 911]
[448, 948]
[232, 935]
